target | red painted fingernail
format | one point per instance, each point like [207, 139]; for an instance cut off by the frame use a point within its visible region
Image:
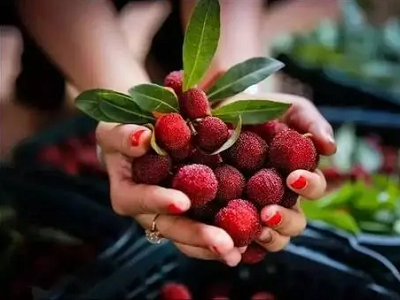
[215, 250]
[135, 137]
[275, 220]
[174, 209]
[300, 183]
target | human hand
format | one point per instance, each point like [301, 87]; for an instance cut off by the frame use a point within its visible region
[281, 223]
[120, 145]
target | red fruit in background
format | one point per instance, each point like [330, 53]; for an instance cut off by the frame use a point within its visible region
[249, 152]
[70, 165]
[174, 80]
[289, 198]
[390, 160]
[194, 104]
[212, 133]
[230, 183]
[241, 220]
[263, 296]
[52, 154]
[357, 172]
[290, 151]
[211, 161]
[332, 174]
[172, 132]
[268, 130]
[198, 182]
[253, 254]
[265, 187]
[175, 291]
[150, 168]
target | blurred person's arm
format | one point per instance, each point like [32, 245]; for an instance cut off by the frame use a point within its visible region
[241, 33]
[84, 39]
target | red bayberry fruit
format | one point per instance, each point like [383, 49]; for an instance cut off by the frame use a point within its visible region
[172, 132]
[230, 183]
[174, 80]
[212, 133]
[175, 291]
[194, 104]
[253, 254]
[150, 168]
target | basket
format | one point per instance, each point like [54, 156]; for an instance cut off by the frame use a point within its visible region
[295, 273]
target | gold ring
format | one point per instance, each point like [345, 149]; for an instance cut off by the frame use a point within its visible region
[152, 234]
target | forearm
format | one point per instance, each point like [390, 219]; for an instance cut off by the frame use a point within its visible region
[241, 36]
[84, 40]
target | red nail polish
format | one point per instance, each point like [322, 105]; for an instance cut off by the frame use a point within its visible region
[300, 183]
[135, 137]
[174, 209]
[275, 220]
[215, 250]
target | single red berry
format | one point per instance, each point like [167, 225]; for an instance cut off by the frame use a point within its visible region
[194, 104]
[150, 168]
[212, 133]
[172, 132]
[253, 254]
[230, 183]
[174, 80]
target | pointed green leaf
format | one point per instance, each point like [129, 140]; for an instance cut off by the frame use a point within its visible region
[232, 140]
[89, 103]
[153, 142]
[201, 41]
[251, 111]
[241, 76]
[154, 98]
[111, 106]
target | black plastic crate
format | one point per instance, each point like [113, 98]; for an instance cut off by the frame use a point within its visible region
[295, 273]
[334, 88]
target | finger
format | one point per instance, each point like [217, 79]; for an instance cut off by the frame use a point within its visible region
[185, 231]
[232, 258]
[131, 140]
[271, 240]
[288, 222]
[131, 199]
[310, 185]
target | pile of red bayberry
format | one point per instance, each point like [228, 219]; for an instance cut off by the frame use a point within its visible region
[229, 188]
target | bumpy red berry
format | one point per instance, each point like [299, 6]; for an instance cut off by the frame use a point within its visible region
[265, 187]
[253, 254]
[249, 152]
[212, 133]
[241, 220]
[205, 213]
[211, 161]
[198, 182]
[175, 291]
[268, 130]
[263, 296]
[150, 168]
[172, 132]
[230, 183]
[180, 155]
[289, 198]
[194, 104]
[290, 151]
[174, 80]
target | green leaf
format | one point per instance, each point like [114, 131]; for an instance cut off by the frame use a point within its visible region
[251, 111]
[201, 41]
[232, 140]
[153, 142]
[89, 103]
[154, 98]
[338, 218]
[243, 75]
[111, 106]
[375, 227]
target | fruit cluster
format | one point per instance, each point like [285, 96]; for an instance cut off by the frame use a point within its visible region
[179, 291]
[227, 188]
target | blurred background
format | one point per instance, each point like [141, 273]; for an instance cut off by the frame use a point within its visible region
[58, 236]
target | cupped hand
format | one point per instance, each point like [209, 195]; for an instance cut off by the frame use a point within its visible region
[120, 145]
[280, 224]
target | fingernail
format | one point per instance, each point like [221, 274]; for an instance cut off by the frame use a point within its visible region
[331, 139]
[172, 208]
[242, 249]
[135, 137]
[273, 220]
[299, 183]
[215, 250]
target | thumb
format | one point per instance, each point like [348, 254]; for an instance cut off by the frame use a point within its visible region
[128, 139]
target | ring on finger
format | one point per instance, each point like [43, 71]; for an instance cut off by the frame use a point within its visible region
[152, 234]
